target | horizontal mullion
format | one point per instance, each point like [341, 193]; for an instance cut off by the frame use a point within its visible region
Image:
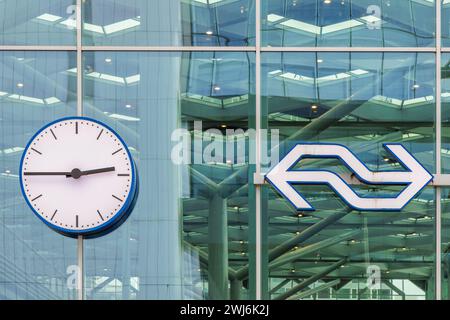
[232, 49]
[348, 49]
[164, 48]
[36, 48]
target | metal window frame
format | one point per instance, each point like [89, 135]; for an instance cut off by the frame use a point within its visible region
[444, 180]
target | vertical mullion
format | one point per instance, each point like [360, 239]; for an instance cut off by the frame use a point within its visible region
[79, 62]
[438, 152]
[80, 242]
[258, 240]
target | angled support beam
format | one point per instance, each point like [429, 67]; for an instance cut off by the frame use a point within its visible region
[100, 286]
[211, 186]
[305, 234]
[395, 289]
[315, 290]
[304, 284]
[232, 183]
[203, 257]
[279, 286]
[294, 255]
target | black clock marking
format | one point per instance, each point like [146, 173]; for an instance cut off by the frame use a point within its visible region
[117, 198]
[123, 175]
[36, 197]
[98, 137]
[54, 214]
[54, 136]
[117, 151]
[76, 221]
[76, 127]
[101, 217]
[36, 150]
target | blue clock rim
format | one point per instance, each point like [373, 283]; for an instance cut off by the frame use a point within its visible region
[124, 211]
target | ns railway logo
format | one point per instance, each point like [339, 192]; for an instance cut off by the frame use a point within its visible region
[283, 176]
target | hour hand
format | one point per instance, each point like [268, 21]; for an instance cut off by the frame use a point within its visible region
[46, 173]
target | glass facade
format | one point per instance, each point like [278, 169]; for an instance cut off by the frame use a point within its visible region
[208, 94]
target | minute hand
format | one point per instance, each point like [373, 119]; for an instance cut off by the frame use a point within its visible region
[94, 171]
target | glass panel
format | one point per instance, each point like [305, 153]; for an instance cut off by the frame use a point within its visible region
[37, 22]
[169, 22]
[348, 23]
[445, 24]
[359, 100]
[445, 108]
[35, 262]
[445, 246]
[189, 233]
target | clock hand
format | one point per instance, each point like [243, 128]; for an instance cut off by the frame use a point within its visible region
[77, 173]
[88, 172]
[46, 173]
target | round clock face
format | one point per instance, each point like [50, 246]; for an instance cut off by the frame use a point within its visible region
[78, 176]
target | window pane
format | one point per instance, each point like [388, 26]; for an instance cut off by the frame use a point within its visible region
[35, 262]
[169, 22]
[360, 100]
[445, 108]
[189, 233]
[348, 23]
[445, 17]
[37, 22]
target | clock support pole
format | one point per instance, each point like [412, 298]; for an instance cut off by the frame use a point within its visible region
[80, 258]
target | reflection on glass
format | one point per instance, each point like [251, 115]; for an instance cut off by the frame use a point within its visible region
[169, 22]
[445, 247]
[348, 23]
[188, 237]
[445, 23]
[37, 22]
[445, 107]
[35, 262]
[360, 100]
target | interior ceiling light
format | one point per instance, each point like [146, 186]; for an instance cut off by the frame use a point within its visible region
[121, 117]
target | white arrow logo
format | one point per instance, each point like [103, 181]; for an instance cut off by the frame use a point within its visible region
[282, 176]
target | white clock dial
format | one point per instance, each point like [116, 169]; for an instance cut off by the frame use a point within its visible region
[78, 176]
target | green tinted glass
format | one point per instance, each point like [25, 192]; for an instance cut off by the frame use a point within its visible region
[360, 100]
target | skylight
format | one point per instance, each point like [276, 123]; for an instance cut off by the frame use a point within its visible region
[297, 78]
[109, 78]
[31, 100]
[296, 25]
[109, 29]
